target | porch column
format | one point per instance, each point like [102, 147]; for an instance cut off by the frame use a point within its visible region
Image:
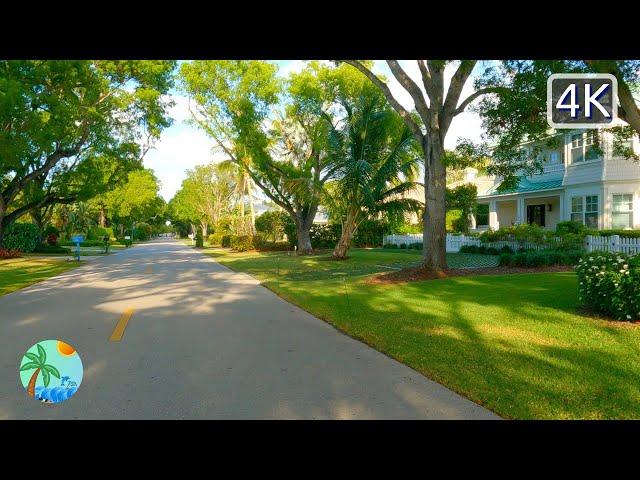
[521, 211]
[493, 216]
[562, 216]
[472, 221]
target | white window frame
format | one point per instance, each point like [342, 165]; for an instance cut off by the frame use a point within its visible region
[581, 142]
[584, 208]
[628, 212]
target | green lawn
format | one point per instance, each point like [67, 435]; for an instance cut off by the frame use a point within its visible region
[514, 343]
[18, 273]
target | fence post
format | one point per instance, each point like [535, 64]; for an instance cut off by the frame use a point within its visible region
[587, 241]
[614, 243]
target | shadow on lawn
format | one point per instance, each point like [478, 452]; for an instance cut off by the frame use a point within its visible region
[513, 344]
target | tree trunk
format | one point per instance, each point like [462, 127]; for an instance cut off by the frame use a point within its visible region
[303, 230]
[434, 228]
[36, 216]
[251, 209]
[103, 217]
[348, 229]
[31, 388]
[304, 240]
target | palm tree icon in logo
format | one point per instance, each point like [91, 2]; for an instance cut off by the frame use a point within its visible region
[38, 362]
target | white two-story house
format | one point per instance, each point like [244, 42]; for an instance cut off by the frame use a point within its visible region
[578, 183]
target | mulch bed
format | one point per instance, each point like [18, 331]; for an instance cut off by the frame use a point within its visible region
[417, 273]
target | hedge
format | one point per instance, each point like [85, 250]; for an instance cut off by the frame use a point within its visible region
[21, 236]
[541, 258]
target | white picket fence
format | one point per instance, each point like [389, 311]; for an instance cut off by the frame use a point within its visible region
[613, 243]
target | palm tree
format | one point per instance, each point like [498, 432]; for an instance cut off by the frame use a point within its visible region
[38, 362]
[243, 189]
[376, 165]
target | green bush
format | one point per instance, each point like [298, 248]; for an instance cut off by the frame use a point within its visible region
[96, 233]
[403, 246]
[268, 246]
[50, 230]
[608, 233]
[609, 283]
[21, 236]
[390, 245]
[483, 249]
[242, 243]
[272, 224]
[226, 241]
[407, 228]
[52, 249]
[541, 258]
[563, 228]
[143, 231]
[215, 239]
[415, 246]
[199, 240]
[86, 243]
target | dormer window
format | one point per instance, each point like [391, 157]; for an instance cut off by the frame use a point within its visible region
[585, 147]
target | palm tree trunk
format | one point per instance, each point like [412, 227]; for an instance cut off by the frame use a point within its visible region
[251, 209]
[348, 229]
[31, 388]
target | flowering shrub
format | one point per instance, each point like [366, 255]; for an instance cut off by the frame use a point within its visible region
[6, 253]
[610, 283]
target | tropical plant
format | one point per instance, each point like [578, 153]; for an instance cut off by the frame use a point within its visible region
[375, 166]
[38, 363]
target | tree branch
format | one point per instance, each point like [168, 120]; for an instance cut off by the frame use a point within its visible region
[475, 95]
[412, 87]
[406, 116]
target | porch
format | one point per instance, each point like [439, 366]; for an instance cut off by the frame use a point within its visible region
[544, 210]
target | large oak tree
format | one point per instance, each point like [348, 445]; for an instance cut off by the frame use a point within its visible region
[67, 127]
[436, 105]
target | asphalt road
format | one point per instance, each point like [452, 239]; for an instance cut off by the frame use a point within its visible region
[203, 343]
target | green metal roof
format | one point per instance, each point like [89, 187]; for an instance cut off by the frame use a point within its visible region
[524, 186]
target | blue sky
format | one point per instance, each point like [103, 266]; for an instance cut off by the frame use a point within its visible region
[183, 146]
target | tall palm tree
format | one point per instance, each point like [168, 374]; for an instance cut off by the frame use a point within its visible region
[376, 165]
[38, 362]
[243, 190]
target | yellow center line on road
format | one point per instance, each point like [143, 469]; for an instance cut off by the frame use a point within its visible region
[118, 332]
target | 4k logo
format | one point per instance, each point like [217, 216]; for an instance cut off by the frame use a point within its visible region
[582, 100]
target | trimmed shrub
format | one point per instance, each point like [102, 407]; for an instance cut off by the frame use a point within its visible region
[483, 249]
[215, 239]
[226, 241]
[563, 228]
[199, 240]
[609, 283]
[242, 243]
[21, 236]
[541, 258]
[608, 233]
[267, 246]
[87, 243]
[52, 249]
[6, 253]
[403, 246]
